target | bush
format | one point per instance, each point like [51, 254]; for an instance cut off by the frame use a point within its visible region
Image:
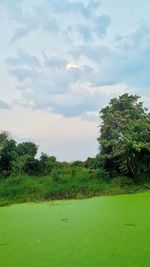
[122, 181]
[99, 174]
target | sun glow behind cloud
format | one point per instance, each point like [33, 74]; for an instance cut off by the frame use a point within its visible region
[71, 66]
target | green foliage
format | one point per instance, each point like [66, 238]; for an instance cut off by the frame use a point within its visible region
[122, 181]
[17, 158]
[27, 148]
[31, 166]
[25, 188]
[124, 152]
[92, 163]
[7, 156]
[47, 164]
[77, 163]
[4, 136]
[125, 137]
[100, 174]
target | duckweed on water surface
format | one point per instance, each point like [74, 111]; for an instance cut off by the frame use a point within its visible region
[101, 231]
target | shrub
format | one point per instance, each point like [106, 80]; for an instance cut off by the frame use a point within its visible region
[122, 181]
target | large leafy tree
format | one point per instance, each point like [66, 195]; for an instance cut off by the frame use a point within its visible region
[125, 136]
[7, 156]
[17, 158]
[25, 161]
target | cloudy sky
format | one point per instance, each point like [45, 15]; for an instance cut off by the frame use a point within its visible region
[62, 60]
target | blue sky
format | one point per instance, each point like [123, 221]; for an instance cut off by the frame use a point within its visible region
[62, 61]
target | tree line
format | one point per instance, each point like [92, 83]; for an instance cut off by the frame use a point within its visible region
[20, 159]
[124, 146]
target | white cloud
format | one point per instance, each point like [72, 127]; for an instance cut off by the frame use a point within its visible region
[65, 61]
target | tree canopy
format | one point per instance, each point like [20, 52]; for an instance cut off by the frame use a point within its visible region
[125, 137]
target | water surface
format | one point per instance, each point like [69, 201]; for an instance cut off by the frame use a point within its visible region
[102, 231]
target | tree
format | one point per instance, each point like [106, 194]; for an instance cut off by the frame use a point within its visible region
[125, 136]
[31, 166]
[92, 163]
[47, 163]
[7, 156]
[4, 135]
[27, 148]
[25, 161]
[77, 163]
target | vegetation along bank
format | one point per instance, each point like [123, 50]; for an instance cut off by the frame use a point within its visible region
[121, 166]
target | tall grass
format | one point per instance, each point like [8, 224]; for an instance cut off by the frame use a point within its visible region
[75, 182]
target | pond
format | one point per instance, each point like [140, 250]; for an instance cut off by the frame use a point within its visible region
[102, 231]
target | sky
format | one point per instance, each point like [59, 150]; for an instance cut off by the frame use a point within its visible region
[62, 61]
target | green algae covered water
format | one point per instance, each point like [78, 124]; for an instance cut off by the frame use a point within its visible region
[102, 231]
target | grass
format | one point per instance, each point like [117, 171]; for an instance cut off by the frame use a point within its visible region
[102, 231]
[74, 183]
